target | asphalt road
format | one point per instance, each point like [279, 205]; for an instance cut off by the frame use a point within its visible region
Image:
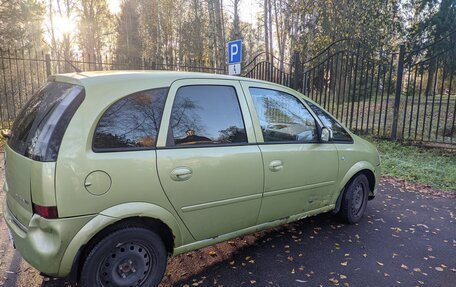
[405, 239]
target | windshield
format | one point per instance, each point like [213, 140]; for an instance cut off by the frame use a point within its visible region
[38, 130]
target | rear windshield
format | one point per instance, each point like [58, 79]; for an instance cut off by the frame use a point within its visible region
[38, 130]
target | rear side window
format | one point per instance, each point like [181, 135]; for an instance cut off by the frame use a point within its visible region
[39, 127]
[206, 115]
[283, 118]
[131, 123]
[339, 133]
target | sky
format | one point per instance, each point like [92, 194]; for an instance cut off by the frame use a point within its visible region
[247, 9]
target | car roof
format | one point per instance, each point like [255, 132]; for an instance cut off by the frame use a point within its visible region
[106, 77]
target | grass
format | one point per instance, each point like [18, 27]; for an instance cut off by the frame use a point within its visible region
[431, 166]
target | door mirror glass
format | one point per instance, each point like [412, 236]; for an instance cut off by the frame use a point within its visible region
[326, 134]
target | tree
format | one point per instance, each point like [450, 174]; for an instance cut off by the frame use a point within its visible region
[94, 28]
[20, 23]
[129, 44]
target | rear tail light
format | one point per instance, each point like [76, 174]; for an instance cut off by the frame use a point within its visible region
[49, 212]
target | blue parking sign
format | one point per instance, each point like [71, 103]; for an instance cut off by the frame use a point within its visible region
[234, 52]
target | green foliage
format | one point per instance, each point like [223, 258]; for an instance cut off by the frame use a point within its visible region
[375, 23]
[430, 166]
[95, 26]
[129, 44]
[20, 23]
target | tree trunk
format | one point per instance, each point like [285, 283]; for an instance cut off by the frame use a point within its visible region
[271, 48]
[266, 33]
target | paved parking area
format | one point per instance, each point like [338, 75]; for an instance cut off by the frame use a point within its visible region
[405, 239]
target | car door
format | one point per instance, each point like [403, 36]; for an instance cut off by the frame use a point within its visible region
[210, 172]
[300, 171]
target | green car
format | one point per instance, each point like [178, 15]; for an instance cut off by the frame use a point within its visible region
[108, 173]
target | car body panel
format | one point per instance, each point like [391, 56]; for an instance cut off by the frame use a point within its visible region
[308, 178]
[353, 158]
[111, 216]
[231, 192]
[226, 182]
[17, 185]
[45, 241]
[251, 229]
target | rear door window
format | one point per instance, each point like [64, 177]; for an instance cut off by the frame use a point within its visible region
[39, 127]
[131, 123]
[206, 115]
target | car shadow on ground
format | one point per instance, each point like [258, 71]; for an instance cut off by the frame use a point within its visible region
[207, 262]
[266, 254]
[404, 239]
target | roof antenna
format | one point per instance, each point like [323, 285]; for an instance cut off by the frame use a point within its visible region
[77, 70]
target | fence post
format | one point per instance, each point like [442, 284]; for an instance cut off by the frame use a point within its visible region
[48, 65]
[296, 64]
[397, 98]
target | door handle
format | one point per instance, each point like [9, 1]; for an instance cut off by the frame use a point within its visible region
[181, 173]
[275, 165]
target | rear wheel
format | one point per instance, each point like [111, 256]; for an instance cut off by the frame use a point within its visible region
[127, 257]
[354, 200]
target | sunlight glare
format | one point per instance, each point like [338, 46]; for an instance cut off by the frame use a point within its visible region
[63, 26]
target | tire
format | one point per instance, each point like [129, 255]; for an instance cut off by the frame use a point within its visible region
[354, 200]
[132, 256]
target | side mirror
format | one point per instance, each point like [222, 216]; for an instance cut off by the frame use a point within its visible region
[326, 134]
[6, 133]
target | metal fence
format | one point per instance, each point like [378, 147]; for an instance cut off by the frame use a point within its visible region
[406, 95]
[22, 72]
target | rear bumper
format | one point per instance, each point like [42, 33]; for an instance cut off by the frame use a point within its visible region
[43, 242]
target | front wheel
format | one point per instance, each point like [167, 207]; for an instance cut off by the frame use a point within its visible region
[354, 200]
[128, 257]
